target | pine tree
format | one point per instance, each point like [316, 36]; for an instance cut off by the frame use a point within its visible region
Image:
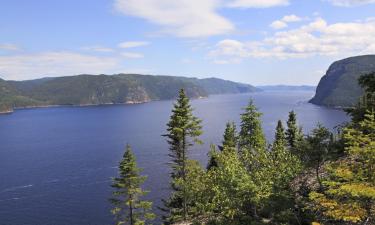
[229, 142]
[280, 139]
[128, 206]
[293, 133]
[251, 133]
[230, 136]
[184, 130]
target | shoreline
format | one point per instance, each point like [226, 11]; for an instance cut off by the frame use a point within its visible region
[10, 111]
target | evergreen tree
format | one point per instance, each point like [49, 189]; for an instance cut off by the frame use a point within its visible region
[184, 130]
[212, 154]
[128, 206]
[251, 133]
[229, 142]
[280, 139]
[230, 136]
[293, 133]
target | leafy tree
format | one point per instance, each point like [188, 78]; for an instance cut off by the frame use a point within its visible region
[128, 206]
[251, 133]
[293, 132]
[349, 195]
[284, 166]
[183, 131]
[229, 189]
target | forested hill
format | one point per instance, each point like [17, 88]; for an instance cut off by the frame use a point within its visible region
[108, 89]
[339, 87]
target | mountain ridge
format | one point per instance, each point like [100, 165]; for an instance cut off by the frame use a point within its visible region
[86, 89]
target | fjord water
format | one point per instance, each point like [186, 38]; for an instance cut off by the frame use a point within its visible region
[56, 163]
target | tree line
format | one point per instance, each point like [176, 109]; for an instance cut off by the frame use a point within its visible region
[321, 178]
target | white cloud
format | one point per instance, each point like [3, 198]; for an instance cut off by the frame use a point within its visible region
[98, 49]
[132, 55]
[183, 18]
[291, 18]
[278, 24]
[316, 38]
[349, 3]
[257, 3]
[133, 44]
[283, 22]
[29, 66]
[9, 47]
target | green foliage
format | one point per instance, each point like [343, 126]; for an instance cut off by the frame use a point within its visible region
[184, 130]
[293, 133]
[230, 140]
[230, 136]
[316, 149]
[349, 194]
[128, 206]
[251, 135]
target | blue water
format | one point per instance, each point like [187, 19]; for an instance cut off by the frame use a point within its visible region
[56, 163]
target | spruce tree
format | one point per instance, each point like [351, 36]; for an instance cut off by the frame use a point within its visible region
[229, 142]
[230, 136]
[293, 133]
[280, 139]
[128, 206]
[183, 130]
[251, 133]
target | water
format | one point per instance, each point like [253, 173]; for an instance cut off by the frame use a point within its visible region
[56, 163]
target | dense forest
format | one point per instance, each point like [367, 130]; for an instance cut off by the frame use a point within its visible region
[323, 177]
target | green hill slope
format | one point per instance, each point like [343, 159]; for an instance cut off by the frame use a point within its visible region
[108, 89]
[339, 87]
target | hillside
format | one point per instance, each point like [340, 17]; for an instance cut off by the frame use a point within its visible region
[108, 89]
[339, 87]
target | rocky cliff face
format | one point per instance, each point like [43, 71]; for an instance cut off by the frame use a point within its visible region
[339, 86]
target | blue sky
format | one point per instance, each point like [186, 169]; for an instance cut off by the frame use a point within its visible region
[252, 41]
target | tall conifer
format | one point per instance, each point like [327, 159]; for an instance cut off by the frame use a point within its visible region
[251, 133]
[293, 132]
[128, 206]
[183, 130]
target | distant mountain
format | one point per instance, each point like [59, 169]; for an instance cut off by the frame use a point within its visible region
[219, 86]
[108, 89]
[339, 86]
[287, 88]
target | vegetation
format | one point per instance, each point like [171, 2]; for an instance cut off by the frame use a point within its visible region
[129, 208]
[103, 89]
[183, 131]
[320, 178]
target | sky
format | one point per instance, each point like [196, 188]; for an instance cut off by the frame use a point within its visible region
[252, 41]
